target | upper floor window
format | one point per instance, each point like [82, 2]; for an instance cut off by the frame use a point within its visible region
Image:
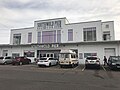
[39, 37]
[106, 35]
[107, 26]
[89, 34]
[70, 34]
[16, 39]
[58, 36]
[49, 36]
[30, 37]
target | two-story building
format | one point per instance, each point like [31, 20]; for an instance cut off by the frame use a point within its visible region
[48, 37]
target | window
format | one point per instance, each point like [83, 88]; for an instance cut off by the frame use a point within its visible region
[15, 54]
[48, 36]
[8, 57]
[107, 26]
[39, 37]
[58, 36]
[89, 34]
[106, 35]
[30, 37]
[29, 53]
[70, 35]
[73, 56]
[64, 55]
[5, 53]
[16, 39]
[89, 54]
[80, 56]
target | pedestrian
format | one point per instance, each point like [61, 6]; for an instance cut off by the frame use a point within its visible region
[105, 60]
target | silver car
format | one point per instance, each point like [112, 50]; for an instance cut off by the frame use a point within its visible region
[92, 61]
[6, 60]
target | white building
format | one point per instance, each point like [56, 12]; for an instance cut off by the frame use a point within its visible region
[48, 37]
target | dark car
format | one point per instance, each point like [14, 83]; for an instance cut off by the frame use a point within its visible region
[114, 62]
[21, 60]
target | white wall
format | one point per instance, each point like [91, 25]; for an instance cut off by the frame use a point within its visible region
[111, 28]
[24, 35]
[78, 31]
[93, 48]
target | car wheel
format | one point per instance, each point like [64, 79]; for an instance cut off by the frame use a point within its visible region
[98, 67]
[20, 63]
[28, 63]
[5, 63]
[39, 65]
[72, 65]
[56, 63]
[86, 66]
[77, 64]
[13, 63]
[49, 64]
[61, 66]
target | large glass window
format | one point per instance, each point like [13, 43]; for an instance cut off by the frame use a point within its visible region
[39, 37]
[49, 36]
[89, 34]
[58, 36]
[16, 39]
[30, 37]
[70, 35]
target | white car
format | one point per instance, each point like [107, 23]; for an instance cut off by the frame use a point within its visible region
[47, 62]
[92, 61]
[6, 60]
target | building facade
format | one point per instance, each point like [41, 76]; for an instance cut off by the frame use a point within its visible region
[48, 37]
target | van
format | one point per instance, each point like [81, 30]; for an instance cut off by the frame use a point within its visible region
[68, 58]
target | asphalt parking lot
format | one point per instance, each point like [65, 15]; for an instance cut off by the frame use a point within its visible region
[32, 77]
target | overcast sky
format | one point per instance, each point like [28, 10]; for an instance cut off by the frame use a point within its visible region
[23, 13]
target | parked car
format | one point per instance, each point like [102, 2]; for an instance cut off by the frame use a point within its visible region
[46, 61]
[21, 60]
[114, 62]
[6, 60]
[92, 61]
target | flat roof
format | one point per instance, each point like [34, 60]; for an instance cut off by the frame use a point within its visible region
[22, 28]
[50, 19]
[84, 22]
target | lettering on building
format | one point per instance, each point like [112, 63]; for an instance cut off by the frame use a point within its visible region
[49, 25]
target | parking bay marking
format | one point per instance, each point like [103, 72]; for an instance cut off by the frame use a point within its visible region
[83, 69]
[103, 68]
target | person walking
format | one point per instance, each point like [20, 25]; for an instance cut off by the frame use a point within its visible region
[105, 60]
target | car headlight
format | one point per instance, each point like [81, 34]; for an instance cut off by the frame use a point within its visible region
[113, 63]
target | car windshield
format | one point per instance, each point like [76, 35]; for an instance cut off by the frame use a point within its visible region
[1, 57]
[43, 58]
[115, 58]
[51, 58]
[91, 58]
[8, 57]
[64, 55]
